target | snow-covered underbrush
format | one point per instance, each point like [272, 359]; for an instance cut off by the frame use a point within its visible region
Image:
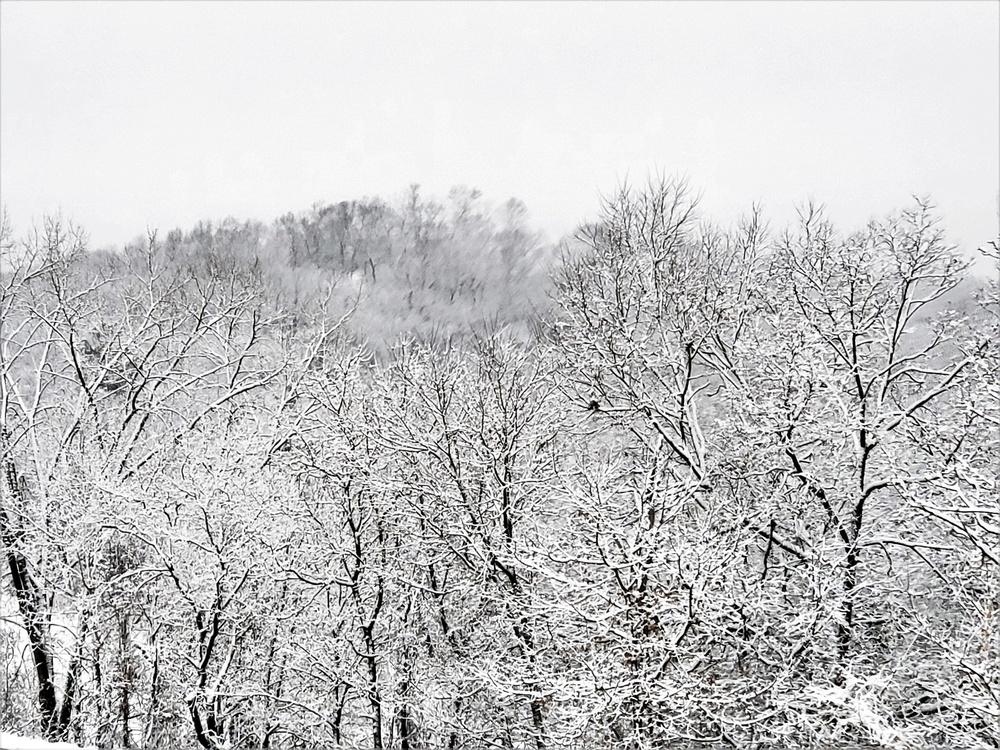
[13, 742]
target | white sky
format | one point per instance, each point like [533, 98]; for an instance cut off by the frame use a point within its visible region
[128, 114]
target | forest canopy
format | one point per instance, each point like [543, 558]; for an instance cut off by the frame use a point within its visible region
[410, 476]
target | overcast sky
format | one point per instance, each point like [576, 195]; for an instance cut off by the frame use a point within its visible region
[128, 114]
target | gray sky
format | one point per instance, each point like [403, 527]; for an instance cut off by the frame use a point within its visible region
[125, 114]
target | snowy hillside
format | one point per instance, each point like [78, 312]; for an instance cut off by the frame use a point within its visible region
[13, 742]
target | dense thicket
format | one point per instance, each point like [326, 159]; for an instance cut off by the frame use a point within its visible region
[728, 488]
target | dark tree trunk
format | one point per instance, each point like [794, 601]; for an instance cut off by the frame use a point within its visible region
[54, 718]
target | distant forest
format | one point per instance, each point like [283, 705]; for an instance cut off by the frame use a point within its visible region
[410, 476]
[421, 268]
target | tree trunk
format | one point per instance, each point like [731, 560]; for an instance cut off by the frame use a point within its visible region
[53, 720]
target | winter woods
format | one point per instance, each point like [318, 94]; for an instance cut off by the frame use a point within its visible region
[681, 486]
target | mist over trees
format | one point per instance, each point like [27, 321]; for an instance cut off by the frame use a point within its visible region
[410, 477]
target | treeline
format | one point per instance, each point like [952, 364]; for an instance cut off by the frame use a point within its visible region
[732, 487]
[420, 268]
